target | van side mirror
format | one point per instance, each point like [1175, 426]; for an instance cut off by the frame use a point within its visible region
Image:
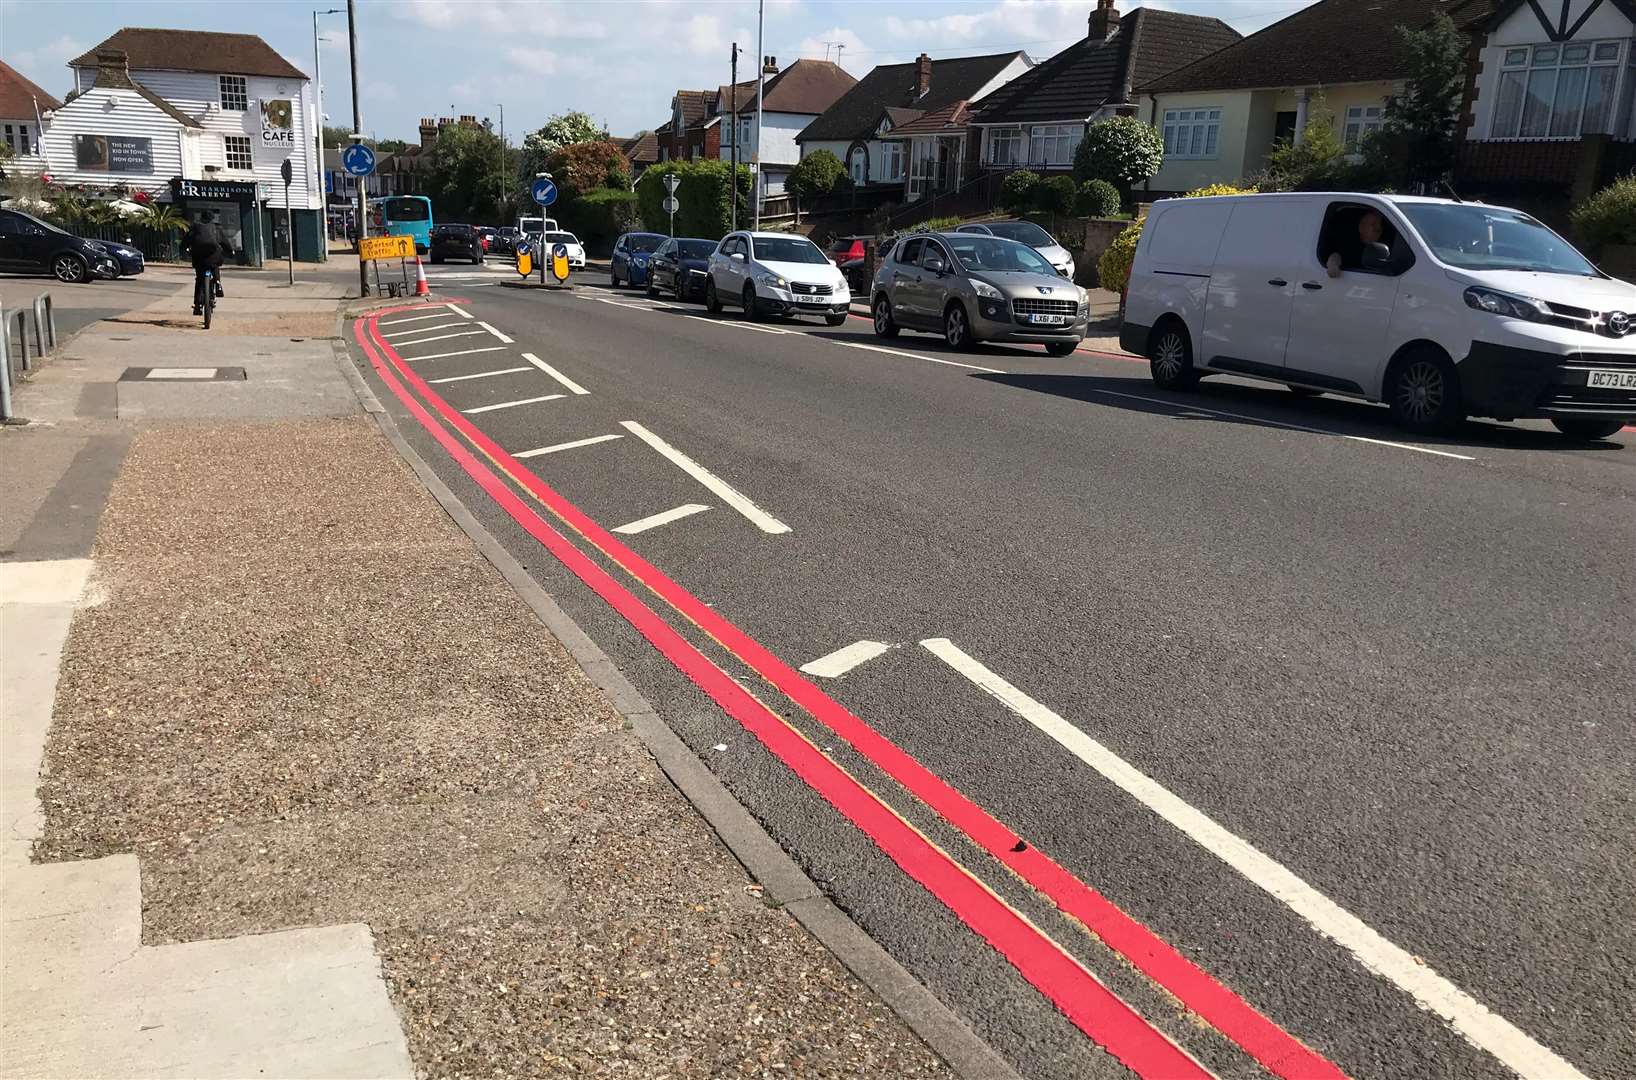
[1377, 257]
[934, 265]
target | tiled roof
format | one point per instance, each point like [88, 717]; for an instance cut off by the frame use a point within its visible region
[857, 111]
[695, 105]
[195, 50]
[746, 93]
[951, 117]
[1333, 41]
[1091, 73]
[806, 86]
[18, 95]
[903, 116]
[641, 149]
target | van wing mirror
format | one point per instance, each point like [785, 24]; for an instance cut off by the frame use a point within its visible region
[1377, 257]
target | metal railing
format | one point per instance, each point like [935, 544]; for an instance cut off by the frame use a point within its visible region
[16, 359]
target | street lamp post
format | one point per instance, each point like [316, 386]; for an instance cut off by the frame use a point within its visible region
[358, 137]
[542, 252]
[505, 163]
[318, 134]
[761, 90]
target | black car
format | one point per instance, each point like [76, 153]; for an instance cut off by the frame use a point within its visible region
[130, 260]
[504, 241]
[456, 242]
[31, 246]
[680, 266]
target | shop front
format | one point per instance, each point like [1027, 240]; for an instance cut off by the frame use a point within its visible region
[235, 205]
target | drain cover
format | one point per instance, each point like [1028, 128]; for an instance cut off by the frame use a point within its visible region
[182, 374]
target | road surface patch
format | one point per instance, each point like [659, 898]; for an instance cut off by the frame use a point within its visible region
[510, 404]
[496, 333]
[573, 387]
[844, 659]
[460, 311]
[724, 491]
[664, 517]
[543, 450]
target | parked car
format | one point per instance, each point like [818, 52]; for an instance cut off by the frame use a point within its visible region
[767, 273]
[129, 260]
[847, 253]
[1440, 309]
[973, 288]
[487, 234]
[456, 242]
[504, 241]
[1026, 232]
[629, 264]
[31, 246]
[680, 266]
[576, 250]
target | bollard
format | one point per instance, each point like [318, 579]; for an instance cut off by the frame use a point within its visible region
[45, 324]
[20, 317]
[5, 370]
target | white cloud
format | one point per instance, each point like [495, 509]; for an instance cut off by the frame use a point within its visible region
[498, 16]
[52, 55]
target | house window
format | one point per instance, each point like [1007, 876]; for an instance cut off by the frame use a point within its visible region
[857, 165]
[1005, 146]
[235, 92]
[891, 161]
[1192, 133]
[237, 148]
[744, 130]
[1053, 144]
[17, 138]
[1557, 91]
[1361, 120]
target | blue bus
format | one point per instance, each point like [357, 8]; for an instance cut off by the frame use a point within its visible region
[405, 215]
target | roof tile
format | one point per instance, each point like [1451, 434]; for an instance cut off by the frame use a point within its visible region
[194, 50]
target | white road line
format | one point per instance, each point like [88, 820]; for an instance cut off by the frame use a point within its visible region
[421, 330]
[460, 311]
[440, 337]
[565, 446]
[725, 491]
[843, 660]
[662, 518]
[479, 375]
[555, 374]
[462, 352]
[415, 318]
[1481, 1027]
[496, 333]
[511, 404]
[1185, 406]
[738, 325]
[918, 356]
[620, 303]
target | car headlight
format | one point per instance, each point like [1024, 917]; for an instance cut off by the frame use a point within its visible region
[771, 280]
[1504, 304]
[985, 290]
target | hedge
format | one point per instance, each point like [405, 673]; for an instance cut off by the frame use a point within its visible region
[706, 202]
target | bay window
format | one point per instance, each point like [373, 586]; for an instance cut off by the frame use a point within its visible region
[1192, 133]
[1005, 146]
[1560, 90]
[1053, 144]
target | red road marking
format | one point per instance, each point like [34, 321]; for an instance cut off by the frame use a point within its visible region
[1091, 1006]
[1271, 1046]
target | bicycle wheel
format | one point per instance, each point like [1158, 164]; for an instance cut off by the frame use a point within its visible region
[209, 298]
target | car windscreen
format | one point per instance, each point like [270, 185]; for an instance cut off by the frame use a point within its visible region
[1024, 232]
[996, 254]
[695, 249]
[561, 238]
[644, 241]
[789, 250]
[1475, 237]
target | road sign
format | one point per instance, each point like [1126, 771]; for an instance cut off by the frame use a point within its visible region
[671, 181]
[670, 205]
[559, 262]
[286, 172]
[386, 247]
[544, 191]
[358, 159]
[525, 260]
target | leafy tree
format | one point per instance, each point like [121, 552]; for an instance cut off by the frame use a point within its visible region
[465, 174]
[1608, 217]
[1017, 191]
[336, 138]
[816, 174]
[563, 129]
[1121, 150]
[1304, 166]
[392, 146]
[161, 218]
[585, 166]
[1098, 198]
[1420, 130]
[705, 194]
[1056, 195]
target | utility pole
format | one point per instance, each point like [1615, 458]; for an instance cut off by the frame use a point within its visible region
[505, 161]
[761, 86]
[318, 136]
[357, 137]
[732, 185]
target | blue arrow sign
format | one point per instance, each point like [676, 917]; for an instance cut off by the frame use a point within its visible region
[358, 159]
[544, 191]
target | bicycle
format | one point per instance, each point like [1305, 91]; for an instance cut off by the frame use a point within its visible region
[209, 303]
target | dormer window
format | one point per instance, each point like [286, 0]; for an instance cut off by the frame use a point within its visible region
[235, 92]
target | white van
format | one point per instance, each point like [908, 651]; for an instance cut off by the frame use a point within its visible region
[1441, 309]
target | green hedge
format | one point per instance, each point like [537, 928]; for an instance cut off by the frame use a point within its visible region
[599, 216]
[705, 197]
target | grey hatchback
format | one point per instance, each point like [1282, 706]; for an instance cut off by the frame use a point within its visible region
[973, 288]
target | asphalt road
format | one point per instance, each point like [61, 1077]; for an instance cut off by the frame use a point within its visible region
[1360, 739]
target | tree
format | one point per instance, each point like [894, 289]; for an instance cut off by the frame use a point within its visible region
[338, 137]
[1017, 191]
[1420, 129]
[1055, 196]
[704, 192]
[392, 146]
[1608, 217]
[815, 175]
[465, 174]
[1121, 150]
[582, 167]
[563, 129]
[1098, 198]
[1304, 166]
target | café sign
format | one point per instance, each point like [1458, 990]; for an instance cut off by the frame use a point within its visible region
[278, 124]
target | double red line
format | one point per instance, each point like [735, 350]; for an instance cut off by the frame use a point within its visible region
[1093, 1008]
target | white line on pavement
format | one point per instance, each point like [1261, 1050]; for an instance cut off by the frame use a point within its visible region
[918, 356]
[555, 374]
[415, 318]
[1480, 1026]
[511, 404]
[565, 446]
[479, 375]
[462, 352]
[738, 325]
[843, 660]
[495, 332]
[440, 337]
[460, 311]
[725, 491]
[663, 518]
[1185, 406]
[421, 330]
[619, 303]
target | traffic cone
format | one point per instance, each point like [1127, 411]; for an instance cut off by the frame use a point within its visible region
[421, 288]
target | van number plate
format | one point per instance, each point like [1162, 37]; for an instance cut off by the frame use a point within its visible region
[1610, 380]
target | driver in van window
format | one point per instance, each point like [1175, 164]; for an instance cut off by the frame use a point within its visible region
[1347, 252]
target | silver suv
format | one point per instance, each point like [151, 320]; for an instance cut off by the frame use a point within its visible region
[973, 288]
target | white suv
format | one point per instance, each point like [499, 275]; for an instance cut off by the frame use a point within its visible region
[767, 273]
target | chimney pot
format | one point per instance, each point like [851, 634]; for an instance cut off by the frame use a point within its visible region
[117, 59]
[769, 65]
[923, 75]
[1104, 20]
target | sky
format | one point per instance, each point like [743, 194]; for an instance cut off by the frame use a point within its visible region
[618, 60]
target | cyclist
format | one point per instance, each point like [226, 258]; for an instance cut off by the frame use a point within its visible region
[206, 245]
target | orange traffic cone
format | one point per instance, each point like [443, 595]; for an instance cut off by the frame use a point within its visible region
[421, 288]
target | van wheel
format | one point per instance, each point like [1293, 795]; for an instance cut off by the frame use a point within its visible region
[1587, 429]
[1170, 357]
[885, 325]
[1424, 393]
[1305, 391]
[712, 302]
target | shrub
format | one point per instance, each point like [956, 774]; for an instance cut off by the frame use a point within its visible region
[1113, 268]
[1056, 195]
[1310, 164]
[704, 193]
[1608, 217]
[936, 224]
[1017, 191]
[1098, 198]
[600, 215]
[815, 175]
[1121, 150]
[1218, 189]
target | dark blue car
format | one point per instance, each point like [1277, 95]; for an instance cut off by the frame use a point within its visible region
[130, 260]
[680, 266]
[630, 257]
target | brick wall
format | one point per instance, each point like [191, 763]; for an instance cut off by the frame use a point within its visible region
[1512, 162]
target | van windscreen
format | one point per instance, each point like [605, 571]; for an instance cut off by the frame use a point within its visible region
[1475, 237]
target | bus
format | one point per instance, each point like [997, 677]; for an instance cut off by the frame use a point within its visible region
[405, 215]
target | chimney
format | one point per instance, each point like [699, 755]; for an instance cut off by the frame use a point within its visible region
[428, 131]
[769, 65]
[1103, 22]
[923, 75]
[116, 60]
[469, 121]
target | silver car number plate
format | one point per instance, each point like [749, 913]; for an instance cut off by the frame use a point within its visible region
[1048, 320]
[802, 298]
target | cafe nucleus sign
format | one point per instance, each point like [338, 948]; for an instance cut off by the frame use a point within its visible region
[278, 124]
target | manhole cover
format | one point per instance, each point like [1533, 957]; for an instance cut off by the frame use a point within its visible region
[182, 374]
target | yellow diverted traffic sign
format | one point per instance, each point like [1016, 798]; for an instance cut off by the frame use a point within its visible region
[386, 247]
[525, 262]
[559, 262]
